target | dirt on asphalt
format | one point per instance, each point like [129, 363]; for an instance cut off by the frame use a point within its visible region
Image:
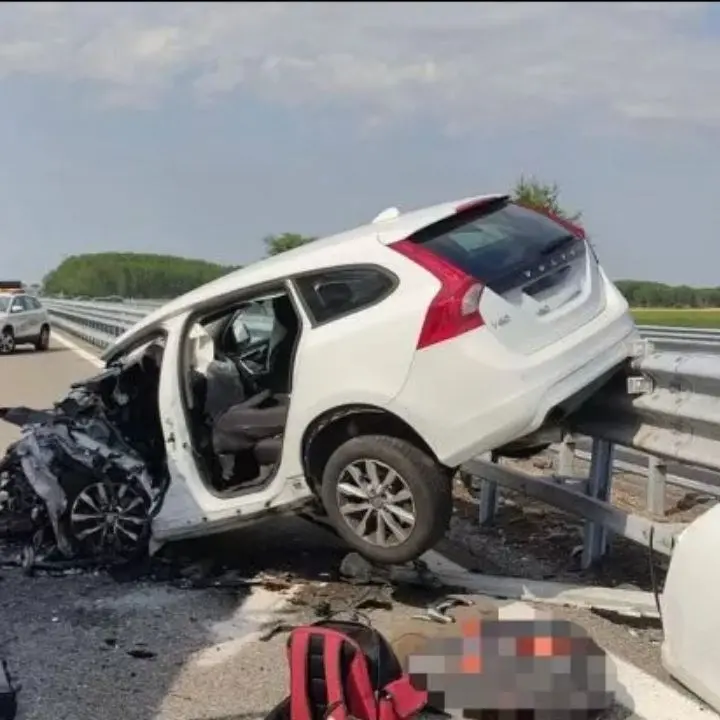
[81, 642]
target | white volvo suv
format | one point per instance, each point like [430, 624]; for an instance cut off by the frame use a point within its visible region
[351, 377]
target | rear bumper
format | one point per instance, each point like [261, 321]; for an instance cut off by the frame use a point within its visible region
[484, 405]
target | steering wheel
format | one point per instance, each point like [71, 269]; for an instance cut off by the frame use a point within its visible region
[247, 376]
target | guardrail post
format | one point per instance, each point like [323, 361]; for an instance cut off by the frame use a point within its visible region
[488, 498]
[599, 487]
[566, 457]
[656, 486]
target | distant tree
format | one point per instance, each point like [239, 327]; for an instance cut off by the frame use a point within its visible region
[531, 192]
[276, 244]
[135, 275]
[641, 293]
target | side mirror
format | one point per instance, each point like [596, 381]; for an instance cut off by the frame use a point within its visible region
[16, 309]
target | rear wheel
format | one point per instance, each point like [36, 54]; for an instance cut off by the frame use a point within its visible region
[386, 498]
[7, 341]
[43, 341]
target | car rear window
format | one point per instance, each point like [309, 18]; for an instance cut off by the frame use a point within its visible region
[331, 294]
[495, 241]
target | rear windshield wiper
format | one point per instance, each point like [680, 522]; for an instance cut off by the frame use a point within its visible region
[557, 244]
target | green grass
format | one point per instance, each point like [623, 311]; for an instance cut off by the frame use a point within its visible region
[678, 317]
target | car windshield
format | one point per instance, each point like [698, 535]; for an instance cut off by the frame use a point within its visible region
[4, 303]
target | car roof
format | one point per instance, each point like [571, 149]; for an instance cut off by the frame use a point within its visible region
[389, 226]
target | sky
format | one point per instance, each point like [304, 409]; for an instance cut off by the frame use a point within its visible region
[197, 129]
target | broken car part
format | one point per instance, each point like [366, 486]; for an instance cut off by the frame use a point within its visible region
[88, 475]
[438, 612]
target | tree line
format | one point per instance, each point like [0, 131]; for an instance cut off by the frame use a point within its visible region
[130, 275]
[146, 275]
[642, 294]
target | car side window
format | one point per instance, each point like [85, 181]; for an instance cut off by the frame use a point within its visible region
[33, 303]
[332, 293]
[18, 305]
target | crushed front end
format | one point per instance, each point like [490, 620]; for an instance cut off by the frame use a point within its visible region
[87, 477]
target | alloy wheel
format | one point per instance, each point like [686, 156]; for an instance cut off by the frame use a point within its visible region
[110, 518]
[376, 503]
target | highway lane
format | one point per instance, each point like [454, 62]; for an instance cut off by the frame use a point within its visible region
[37, 379]
[85, 646]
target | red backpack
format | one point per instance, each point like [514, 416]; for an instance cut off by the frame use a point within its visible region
[347, 671]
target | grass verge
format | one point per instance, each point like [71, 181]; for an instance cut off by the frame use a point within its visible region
[678, 317]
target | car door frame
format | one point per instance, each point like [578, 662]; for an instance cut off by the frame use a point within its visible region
[22, 320]
[35, 309]
[191, 508]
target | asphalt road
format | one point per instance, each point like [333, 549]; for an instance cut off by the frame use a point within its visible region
[86, 646]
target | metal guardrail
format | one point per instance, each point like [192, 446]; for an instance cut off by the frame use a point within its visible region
[682, 338]
[674, 429]
[100, 323]
[85, 314]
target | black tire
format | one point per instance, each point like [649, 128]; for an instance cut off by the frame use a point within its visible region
[43, 341]
[7, 341]
[426, 480]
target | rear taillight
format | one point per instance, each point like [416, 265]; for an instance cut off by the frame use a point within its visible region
[454, 310]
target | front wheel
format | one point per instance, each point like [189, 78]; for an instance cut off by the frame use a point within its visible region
[386, 498]
[7, 342]
[43, 341]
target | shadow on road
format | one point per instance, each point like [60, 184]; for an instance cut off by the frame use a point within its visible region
[30, 350]
[86, 646]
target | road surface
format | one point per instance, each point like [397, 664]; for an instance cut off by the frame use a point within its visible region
[86, 646]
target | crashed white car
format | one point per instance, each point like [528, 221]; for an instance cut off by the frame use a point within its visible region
[347, 379]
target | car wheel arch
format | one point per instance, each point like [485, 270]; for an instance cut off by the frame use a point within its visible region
[336, 425]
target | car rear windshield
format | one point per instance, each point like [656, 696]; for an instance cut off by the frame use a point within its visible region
[496, 240]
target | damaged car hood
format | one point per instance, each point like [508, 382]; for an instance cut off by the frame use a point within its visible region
[89, 474]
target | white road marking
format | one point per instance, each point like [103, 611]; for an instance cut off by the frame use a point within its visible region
[651, 699]
[254, 616]
[80, 352]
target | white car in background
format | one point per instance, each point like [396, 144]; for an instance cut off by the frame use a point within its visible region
[350, 378]
[23, 321]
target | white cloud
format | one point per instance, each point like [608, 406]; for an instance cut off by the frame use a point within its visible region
[463, 63]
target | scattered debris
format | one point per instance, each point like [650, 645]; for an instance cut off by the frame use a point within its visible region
[8, 693]
[141, 654]
[438, 612]
[356, 570]
[632, 603]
